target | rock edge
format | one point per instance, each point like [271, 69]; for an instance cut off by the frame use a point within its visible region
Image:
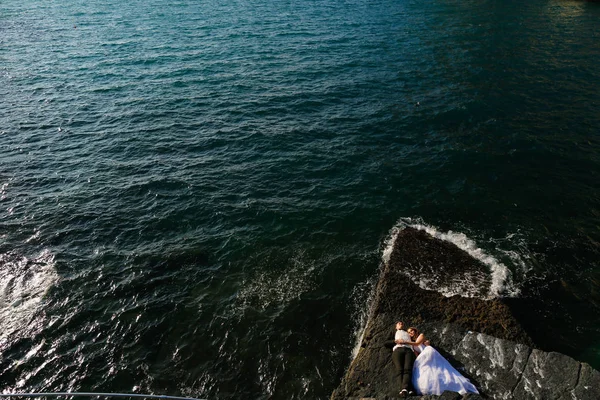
[480, 338]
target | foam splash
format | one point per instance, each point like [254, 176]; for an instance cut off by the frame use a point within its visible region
[363, 293]
[278, 287]
[500, 276]
[23, 284]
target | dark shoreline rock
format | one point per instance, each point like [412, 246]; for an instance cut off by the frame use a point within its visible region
[479, 337]
[400, 298]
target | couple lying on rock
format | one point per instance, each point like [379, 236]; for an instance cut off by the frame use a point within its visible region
[431, 373]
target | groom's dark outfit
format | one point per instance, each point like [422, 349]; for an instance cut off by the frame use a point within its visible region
[403, 358]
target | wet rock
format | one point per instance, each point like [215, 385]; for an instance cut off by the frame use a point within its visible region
[479, 337]
[444, 320]
[417, 252]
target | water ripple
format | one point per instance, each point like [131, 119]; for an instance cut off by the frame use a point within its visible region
[194, 185]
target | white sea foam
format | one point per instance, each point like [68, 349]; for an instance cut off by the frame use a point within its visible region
[362, 293]
[278, 287]
[466, 285]
[23, 284]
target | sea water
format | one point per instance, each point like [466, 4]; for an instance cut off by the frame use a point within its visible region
[196, 196]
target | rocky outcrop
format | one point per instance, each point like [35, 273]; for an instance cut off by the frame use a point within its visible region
[479, 337]
[503, 369]
[418, 255]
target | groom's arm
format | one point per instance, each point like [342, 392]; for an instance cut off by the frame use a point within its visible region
[390, 342]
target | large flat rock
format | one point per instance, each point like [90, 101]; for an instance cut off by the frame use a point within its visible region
[494, 364]
[479, 337]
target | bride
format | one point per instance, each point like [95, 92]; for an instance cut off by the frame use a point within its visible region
[432, 373]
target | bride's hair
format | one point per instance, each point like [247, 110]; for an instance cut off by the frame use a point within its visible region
[412, 328]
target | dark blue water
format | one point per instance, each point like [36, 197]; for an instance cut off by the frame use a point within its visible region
[195, 195]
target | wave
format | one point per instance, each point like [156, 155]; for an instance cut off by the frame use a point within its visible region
[279, 287]
[23, 284]
[363, 293]
[470, 283]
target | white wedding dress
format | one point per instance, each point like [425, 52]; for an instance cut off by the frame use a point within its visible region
[432, 374]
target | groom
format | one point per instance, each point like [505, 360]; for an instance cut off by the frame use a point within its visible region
[403, 357]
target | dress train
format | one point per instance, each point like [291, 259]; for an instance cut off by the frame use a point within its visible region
[433, 374]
